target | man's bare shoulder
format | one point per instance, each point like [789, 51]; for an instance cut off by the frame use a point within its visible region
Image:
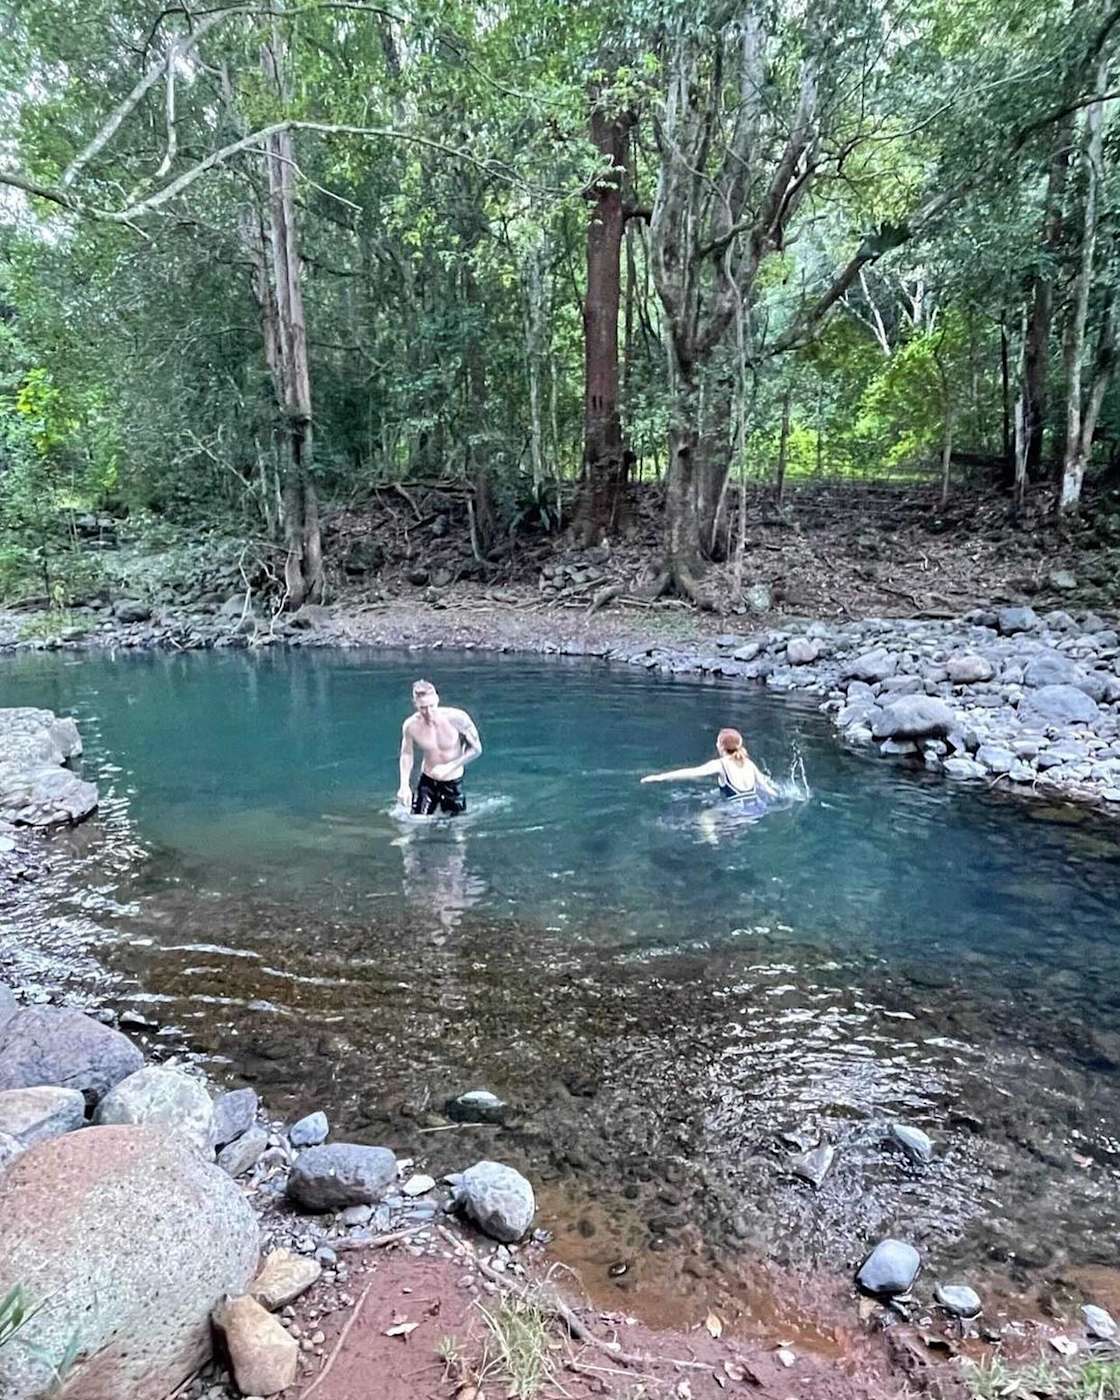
[459, 718]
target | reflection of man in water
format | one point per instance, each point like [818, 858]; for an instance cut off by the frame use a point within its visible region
[448, 740]
[437, 876]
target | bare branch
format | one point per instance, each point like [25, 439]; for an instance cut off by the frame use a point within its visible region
[180, 48]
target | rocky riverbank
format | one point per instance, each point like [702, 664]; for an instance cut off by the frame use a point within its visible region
[164, 1237]
[119, 1178]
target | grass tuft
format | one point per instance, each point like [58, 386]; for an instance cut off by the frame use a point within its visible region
[519, 1345]
[1091, 1379]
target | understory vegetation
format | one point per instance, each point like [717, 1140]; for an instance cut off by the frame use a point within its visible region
[260, 262]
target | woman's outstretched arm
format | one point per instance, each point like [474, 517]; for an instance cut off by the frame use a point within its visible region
[702, 770]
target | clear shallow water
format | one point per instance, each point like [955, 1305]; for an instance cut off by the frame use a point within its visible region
[650, 977]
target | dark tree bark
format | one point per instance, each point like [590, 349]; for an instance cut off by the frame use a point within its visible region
[1036, 349]
[604, 456]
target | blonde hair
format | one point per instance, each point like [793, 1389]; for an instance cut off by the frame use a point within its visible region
[729, 742]
[422, 688]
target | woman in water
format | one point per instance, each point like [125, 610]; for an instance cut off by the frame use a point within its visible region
[733, 768]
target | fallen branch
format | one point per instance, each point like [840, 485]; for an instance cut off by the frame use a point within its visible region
[379, 1241]
[336, 1350]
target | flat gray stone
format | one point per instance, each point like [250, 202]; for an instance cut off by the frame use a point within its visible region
[995, 758]
[916, 1144]
[234, 1114]
[914, 717]
[340, 1175]
[813, 1166]
[39, 1113]
[1099, 1323]
[872, 666]
[1058, 704]
[958, 1299]
[243, 1153]
[1012, 620]
[968, 668]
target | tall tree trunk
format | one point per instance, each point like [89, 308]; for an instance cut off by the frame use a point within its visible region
[783, 449]
[1081, 417]
[303, 564]
[604, 458]
[1041, 294]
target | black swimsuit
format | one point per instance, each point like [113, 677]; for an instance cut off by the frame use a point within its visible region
[433, 795]
[727, 790]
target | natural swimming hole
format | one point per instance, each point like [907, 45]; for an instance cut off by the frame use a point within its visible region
[666, 995]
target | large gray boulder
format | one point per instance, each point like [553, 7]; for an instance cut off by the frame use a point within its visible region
[1012, 620]
[166, 1099]
[57, 1045]
[1058, 704]
[129, 1240]
[34, 789]
[872, 666]
[25, 720]
[340, 1175]
[46, 797]
[1052, 668]
[498, 1199]
[968, 668]
[890, 1269]
[914, 717]
[41, 1113]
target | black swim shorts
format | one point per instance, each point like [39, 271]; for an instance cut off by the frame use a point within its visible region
[434, 796]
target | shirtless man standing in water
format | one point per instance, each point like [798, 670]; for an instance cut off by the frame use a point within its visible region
[448, 740]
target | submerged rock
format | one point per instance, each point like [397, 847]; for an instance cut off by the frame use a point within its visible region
[477, 1106]
[498, 1199]
[958, 1299]
[916, 1144]
[343, 1174]
[813, 1166]
[890, 1269]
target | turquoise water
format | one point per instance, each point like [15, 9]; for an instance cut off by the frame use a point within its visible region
[282, 769]
[640, 967]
